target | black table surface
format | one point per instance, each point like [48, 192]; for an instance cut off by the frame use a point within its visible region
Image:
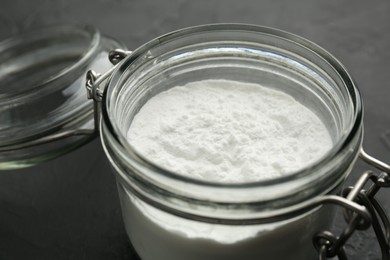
[69, 209]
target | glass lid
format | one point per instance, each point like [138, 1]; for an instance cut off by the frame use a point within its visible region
[42, 78]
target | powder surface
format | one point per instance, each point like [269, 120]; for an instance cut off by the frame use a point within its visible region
[228, 131]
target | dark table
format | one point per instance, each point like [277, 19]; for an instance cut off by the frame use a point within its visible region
[46, 214]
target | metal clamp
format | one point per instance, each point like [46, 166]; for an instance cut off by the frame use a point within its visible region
[329, 245]
[94, 82]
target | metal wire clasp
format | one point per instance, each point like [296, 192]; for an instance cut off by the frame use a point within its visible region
[94, 82]
[329, 245]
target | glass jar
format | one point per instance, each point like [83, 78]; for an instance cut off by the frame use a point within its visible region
[169, 216]
[45, 114]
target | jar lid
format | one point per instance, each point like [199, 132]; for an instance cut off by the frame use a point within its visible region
[42, 93]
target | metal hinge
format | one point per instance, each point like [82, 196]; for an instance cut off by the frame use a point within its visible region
[94, 79]
[329, 245]
[95, 86]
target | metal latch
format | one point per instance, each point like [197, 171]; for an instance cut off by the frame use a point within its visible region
[94, 82]
[329, 245]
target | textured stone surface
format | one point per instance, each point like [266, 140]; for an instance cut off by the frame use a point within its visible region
[46, 216]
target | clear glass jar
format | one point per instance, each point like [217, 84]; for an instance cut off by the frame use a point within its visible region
[168, 216]
[42, 94]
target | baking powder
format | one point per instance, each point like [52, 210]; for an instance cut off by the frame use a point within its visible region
[228, 131]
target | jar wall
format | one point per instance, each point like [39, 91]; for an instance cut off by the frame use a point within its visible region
[160, 235]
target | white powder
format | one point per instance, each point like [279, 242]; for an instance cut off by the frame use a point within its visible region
[158, 235]
[228, 131]
[224, 131]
